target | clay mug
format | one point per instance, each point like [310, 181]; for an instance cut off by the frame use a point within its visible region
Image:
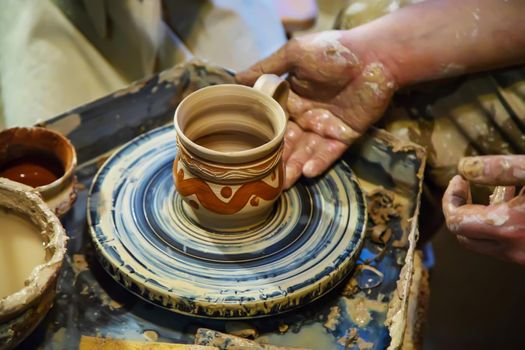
[229, 169]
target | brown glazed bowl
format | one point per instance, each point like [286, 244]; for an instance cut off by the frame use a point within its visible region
[23, 310]
[22, 142]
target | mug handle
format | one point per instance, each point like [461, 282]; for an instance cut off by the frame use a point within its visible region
[274, 86]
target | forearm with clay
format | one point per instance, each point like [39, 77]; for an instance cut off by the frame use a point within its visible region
[343, 81]
[442, 38]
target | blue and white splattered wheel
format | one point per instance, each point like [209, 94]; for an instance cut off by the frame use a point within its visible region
[147, 243]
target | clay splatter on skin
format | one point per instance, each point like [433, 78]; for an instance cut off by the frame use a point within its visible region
[355, 8]
[375, 74]
[471, 167]
[452, 68]
[394, 6]
[505, 164]
[327, 48]
[324, 122]
[377, 86]
[518, 173]
[475, 14]
[333, 49]
[496, 219]
[493, 170]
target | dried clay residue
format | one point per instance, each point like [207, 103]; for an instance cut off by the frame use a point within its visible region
[352, 339]
[313, 336]
[79, 264]
[241, 329]
[418, 303]
[220, 340]
[108, 302]
[381, 210]
[333, 318]
[360, 309]
[150, 335]
[333, 48]
[131, 89]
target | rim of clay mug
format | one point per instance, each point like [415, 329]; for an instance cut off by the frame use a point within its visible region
[234, 157]
[42, 276]
[70, 163]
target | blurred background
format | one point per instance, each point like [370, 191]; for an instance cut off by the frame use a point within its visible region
[58, 54]
[476, 302]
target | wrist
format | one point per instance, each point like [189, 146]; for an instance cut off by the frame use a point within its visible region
[375, 51]
[402, 47]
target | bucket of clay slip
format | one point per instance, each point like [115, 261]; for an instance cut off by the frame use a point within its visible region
[32, 248]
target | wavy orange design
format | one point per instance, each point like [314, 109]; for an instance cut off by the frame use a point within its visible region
[209, 200]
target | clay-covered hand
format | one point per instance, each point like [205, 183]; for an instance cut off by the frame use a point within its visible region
[338, 90]
[497, 229]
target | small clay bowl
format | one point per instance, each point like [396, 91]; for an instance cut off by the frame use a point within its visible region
[39, 144]
[21, 311]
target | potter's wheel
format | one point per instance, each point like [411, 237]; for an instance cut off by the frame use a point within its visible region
[147, 243]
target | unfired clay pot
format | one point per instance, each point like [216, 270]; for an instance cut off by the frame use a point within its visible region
[229, 168]
[19, 142]
[21, 311]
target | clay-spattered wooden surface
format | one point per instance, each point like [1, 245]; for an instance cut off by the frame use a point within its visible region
[355, 316]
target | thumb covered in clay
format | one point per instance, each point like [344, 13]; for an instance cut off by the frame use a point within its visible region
[278, 63]
[494, 170]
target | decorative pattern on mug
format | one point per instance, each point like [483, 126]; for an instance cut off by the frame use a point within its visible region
[248, 192]
[246, 171]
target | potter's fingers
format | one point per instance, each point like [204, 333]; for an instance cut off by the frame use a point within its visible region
[456, 195]
[502, 194]
[301, 153]
[315, 116]
[292, 173]
[291, 137]
[482, 246]
[487, 222]
[278, 63]
[326, 154]
[462, 218]
[326, 124]
[494, 170]
[297, 105]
